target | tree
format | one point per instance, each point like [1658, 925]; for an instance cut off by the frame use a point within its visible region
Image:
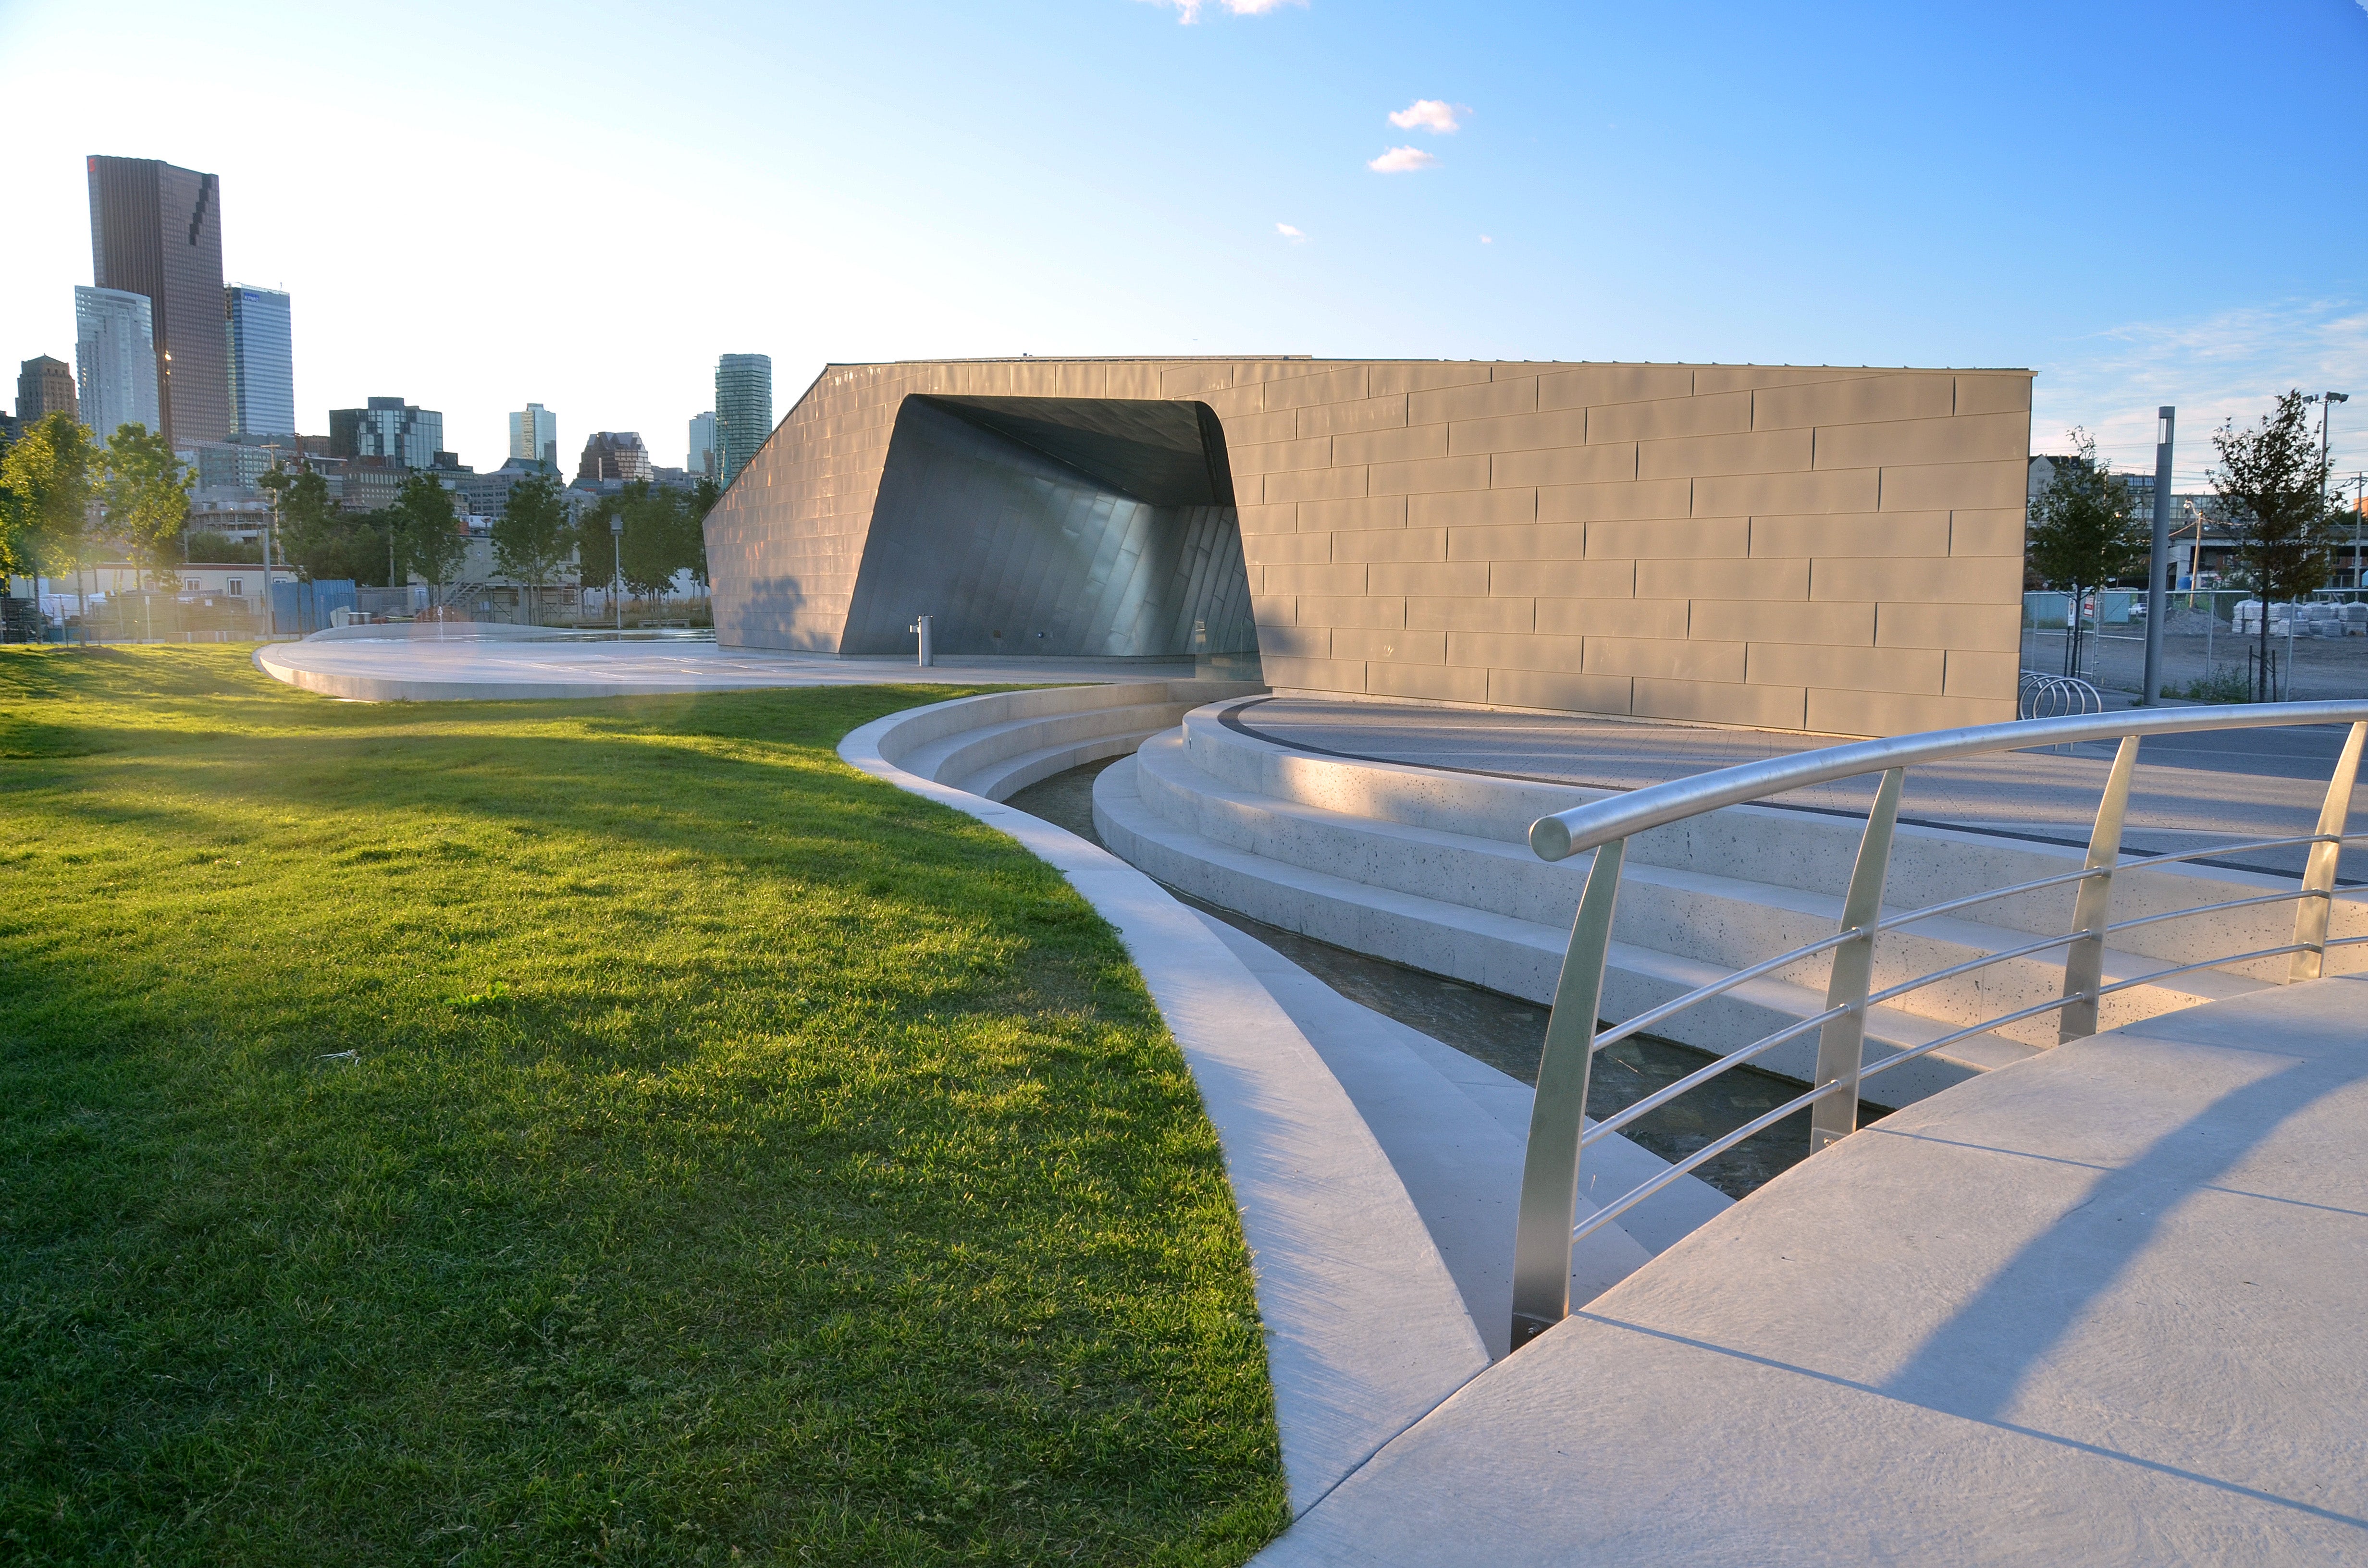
[322, 541]
[2083, 532]
[146, 497]
[205, 544]
[46, 478]
[428, 537]
[2271, 492]
[531, 537]
[654, 538]
[704, 495]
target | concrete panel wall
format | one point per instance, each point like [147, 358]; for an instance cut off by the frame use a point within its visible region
[1791, 547]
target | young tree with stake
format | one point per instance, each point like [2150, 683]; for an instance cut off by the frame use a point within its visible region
[2271, 492]
[2083, 531]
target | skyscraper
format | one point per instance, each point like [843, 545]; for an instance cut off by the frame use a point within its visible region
[534, 435]
[390, 430]
[614, 454]
[45, 386]
[702, 462]
[262, 361]
[744, 408]
[115, 349]
[156, 229]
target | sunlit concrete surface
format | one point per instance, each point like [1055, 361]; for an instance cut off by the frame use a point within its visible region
[2100, 1307]
[2190, 790]
[413, 669]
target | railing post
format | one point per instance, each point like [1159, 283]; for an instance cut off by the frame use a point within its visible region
[1841, 1044]
[2318, 873]
[1550, 1167]
[2084, 960]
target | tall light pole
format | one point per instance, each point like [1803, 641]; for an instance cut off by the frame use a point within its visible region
[2327, 402]
[2159, 555]
[617, 556]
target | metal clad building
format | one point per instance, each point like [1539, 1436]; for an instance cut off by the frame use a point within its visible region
[1834, 549]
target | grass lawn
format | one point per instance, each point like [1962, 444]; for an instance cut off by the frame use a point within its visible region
[588, 1132]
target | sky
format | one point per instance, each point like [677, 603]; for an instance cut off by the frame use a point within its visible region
[474, 207]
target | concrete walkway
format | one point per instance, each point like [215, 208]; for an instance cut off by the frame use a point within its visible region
[2102, 1306]
[471, 667]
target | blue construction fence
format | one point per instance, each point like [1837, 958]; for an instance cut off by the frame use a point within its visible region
[306, 608]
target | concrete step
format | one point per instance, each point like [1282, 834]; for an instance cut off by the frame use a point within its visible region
[1725, 921]
[1806, 850]
[1517, 956]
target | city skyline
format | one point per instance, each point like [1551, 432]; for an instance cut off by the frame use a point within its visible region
[1586, 183]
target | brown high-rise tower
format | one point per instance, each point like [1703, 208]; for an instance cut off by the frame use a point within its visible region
[157, 230]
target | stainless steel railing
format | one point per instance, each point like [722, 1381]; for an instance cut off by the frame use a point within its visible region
[1558, 1134]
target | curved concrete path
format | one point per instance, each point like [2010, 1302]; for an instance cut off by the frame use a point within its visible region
[483, 664]
[2099, 1307]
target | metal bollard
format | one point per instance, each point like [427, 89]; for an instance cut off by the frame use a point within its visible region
[921, 625]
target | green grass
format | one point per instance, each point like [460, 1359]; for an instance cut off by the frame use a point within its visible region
[598, 1131]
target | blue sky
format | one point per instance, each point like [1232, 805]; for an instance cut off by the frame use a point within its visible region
[476, 206]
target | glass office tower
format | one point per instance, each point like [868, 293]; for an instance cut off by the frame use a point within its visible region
[262, 361]
[389, 430]
[534, 435]
[156, 229]
[115, 350]
[744, 408]
[701, 462]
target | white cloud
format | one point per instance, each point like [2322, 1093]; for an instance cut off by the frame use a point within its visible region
[1401, 161]
[1432, 115]
[2229, 366]
[1288, 232]
[1188, 11]
[1491, 239]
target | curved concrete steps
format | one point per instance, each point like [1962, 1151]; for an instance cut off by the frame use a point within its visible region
[1433, 869]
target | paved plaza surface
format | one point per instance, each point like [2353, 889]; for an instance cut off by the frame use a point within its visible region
[465, 663]
[2190, 791]
[2100, 1307]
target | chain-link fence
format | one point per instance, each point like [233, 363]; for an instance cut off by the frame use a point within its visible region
[2213, 646]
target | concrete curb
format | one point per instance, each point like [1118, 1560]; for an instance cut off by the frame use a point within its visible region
[1365, 1329]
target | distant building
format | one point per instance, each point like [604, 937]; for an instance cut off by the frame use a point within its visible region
[262, 361]
[614, 454]
[156, 231]
[45, 386]
[484, 494]
[744, 409]
[369, 485]
[701, 464]
[390, 430]
[534, 435]
[115, 351]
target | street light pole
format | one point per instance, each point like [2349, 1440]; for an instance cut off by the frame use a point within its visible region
[617, 557]
[2159, 555]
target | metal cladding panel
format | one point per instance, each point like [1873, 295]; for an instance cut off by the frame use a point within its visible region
[1710, 543]
[1011, 551]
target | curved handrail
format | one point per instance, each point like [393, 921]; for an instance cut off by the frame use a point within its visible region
[1565, 833]
[1544, 1230]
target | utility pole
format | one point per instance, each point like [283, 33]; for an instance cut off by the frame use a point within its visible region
[2159, 554]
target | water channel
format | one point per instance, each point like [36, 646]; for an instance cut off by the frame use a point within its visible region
[1508, 1033]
